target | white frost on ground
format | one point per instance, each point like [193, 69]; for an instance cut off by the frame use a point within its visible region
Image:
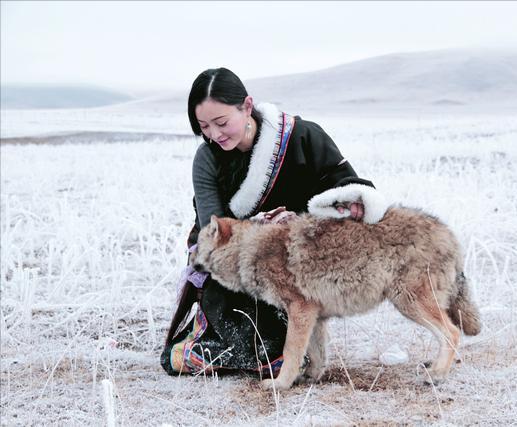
[93, 241]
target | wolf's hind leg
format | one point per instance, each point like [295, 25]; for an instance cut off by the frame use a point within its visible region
[301, 319]
[448, 336]
[317, 352]
[425, 310]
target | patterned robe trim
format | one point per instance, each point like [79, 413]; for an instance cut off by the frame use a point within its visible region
[188, 356]
[277, 159]
[183, 359]
[266, 161]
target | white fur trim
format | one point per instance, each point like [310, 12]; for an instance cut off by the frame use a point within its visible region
[255, 183]
[375, 205]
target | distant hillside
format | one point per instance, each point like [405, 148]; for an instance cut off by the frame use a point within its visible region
[452, 80]
[447, 77]
[46, 96]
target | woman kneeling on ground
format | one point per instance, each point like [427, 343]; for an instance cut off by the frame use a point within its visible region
[260, 163]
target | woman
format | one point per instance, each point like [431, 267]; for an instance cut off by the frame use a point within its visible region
[257, 163]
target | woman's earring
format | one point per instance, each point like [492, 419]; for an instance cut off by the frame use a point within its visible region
[209, 140]
[248, 130]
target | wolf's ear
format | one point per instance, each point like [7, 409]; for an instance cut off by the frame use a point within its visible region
[214, 224]
[221, 229]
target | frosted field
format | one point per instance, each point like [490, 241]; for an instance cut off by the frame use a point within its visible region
[93, 242]
[16, 123]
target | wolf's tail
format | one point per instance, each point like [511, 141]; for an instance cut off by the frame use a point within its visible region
[462, 311]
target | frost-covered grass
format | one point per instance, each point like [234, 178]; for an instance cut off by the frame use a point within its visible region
[93, 242]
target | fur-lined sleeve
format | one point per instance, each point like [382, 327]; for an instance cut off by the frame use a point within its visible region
[337, 180]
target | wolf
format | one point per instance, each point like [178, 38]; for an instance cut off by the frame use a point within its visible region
[316, 268]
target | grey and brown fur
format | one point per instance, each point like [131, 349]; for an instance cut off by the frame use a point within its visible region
[319, 268]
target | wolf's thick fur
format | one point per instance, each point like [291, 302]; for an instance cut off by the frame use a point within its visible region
[319, 268]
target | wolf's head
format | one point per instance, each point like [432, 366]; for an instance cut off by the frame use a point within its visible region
[215, 253]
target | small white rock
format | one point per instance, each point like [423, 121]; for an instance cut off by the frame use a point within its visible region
[394, 355]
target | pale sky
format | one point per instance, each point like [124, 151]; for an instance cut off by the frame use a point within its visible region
[136, 46]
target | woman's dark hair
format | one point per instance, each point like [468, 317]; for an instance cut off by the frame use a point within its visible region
[221, 85]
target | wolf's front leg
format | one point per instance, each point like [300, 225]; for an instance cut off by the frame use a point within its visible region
[317, 352]
[301, 318]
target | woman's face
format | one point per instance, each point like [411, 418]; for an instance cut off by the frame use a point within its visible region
[224, 124]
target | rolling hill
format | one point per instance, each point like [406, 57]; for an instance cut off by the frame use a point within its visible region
[50, 96]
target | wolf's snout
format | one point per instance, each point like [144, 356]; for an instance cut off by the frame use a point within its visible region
[198, 267]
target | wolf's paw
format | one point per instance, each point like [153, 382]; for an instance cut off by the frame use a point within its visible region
[305, 379]
[279, 384]
[433, 381]
[267, 384]
[432, 376]
[311, 375]
[314, 372]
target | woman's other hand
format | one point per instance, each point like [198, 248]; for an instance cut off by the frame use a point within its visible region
[356, 209]
[279, 215]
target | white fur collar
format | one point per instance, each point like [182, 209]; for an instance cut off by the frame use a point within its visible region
[250, 192]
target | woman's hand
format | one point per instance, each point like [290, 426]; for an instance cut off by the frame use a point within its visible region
[356, 209]
[279, 215]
